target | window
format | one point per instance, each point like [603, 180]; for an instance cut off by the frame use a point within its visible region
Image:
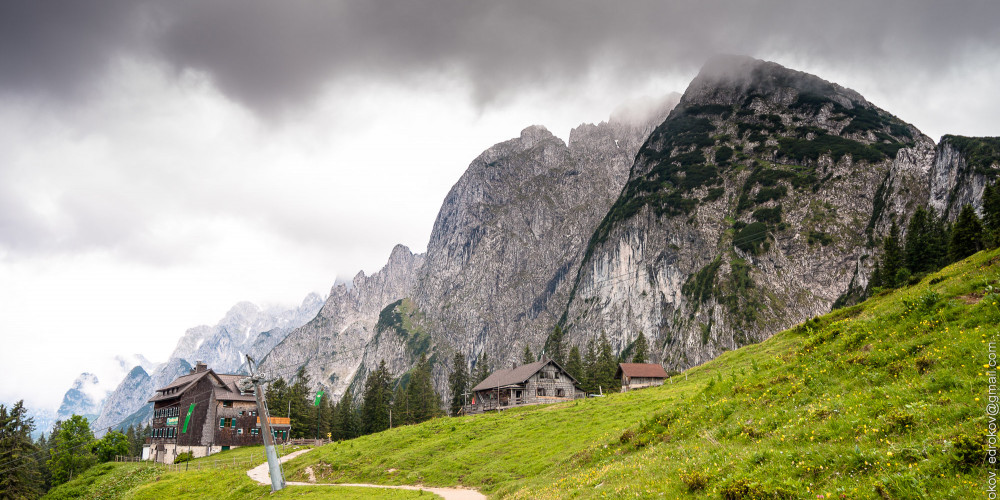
[227, 404]
[254, 432]
[560, 393]
[241, 413]
[239, 431]
[170, 432]
[540, 392]
[543, 375]
[222, 423]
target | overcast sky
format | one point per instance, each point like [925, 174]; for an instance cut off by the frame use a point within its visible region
[160, 161]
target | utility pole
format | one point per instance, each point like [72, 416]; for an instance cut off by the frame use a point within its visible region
[273, 465]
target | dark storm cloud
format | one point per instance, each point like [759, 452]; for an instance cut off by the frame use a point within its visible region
[270, 55]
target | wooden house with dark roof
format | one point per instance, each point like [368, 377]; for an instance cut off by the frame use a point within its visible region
[640, 375]
[535, 383]
[204, 412]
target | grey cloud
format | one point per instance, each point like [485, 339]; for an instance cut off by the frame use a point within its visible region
[273, 56]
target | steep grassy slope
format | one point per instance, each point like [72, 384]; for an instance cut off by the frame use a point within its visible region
[881, 400]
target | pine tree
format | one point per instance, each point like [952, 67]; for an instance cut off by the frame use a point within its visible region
[347, 417]
[574, 365]
[44, 446]
[377, 400]
[915, 248]
[424, 402]
[640, 349]
[482, 370]
[20, 476]
[400, 406]
[607, 365]
[892, 258]
[590, 368]
[991, 214]
[938, 234]
[875, 280]
[528, 358]
[278, 394]
[71, 454]
[335, 424]
[327, 414]
[554, 347]
[966, 235]
[303, 413]
[458, 383]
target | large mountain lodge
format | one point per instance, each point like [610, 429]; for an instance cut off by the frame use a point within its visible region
[204, 412]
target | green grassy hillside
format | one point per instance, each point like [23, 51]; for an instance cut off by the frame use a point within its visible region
[886, 399]
[215, 477]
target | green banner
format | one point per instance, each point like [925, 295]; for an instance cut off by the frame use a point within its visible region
[187, 418]
[319, 395]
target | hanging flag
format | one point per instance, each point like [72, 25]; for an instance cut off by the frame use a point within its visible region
[187, 418]
[319, 395]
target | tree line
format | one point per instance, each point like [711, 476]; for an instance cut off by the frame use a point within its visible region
[29, 468]
[385, 401]
[932, 243]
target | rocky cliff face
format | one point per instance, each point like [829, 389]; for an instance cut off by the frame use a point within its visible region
[750, 209]
[331, 346]
[961, 169]
[496, 273]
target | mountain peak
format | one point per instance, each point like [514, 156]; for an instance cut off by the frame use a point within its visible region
[730, 79]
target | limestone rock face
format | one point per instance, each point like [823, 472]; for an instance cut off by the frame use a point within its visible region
[331, 346]
[497, 270]
[751, 208]
[955, 182]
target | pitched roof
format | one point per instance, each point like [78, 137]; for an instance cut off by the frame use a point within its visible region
[232, 391]
[180, 385]
[228, 391]
[644, 370]
[517, 375]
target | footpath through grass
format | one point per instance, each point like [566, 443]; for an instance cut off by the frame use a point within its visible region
[883, 400]
[212, 477]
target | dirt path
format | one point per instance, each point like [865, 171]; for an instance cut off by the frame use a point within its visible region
[260, 474]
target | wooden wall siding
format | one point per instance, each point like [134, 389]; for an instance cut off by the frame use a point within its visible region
[630, 383]
[229, 436]
[551, 384]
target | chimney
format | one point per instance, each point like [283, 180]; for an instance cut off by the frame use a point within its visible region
[200, 367]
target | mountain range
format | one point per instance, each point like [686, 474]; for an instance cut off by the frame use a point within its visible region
[705, 221]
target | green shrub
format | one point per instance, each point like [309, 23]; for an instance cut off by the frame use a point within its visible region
[186, 456]
[749, 238]
[743, 489]
[969, 452]
[695, 481]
